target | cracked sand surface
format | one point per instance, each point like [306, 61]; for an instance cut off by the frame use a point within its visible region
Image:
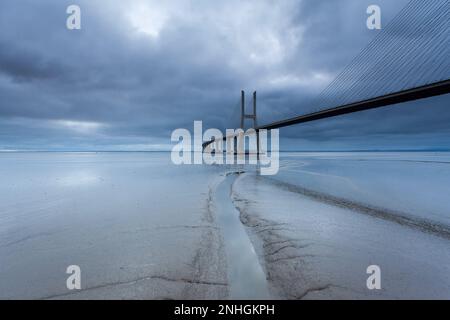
[316, 249]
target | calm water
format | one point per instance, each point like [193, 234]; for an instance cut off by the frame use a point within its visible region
[140, 227]
[135, 224]
[246, 277]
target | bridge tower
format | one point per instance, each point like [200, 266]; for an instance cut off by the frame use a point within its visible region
[248, 116]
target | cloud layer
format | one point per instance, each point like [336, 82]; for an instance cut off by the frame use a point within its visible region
[139, 69]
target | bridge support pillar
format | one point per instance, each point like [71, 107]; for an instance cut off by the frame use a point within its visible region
[250, 116]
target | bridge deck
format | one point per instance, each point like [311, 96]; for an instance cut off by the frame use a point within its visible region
[427, 91]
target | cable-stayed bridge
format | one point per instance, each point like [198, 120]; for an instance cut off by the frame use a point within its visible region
[408, 60]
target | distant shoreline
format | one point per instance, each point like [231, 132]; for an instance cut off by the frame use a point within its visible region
[168, 151]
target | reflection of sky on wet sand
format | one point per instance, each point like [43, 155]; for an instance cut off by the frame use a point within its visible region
[129, 216]
[119, 216]
[247, 279]
[78, 178]
[319, 205]
[415, 183]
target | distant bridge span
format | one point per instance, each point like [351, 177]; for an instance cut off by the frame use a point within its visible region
[411, 51]
[427, 91]
[422, 92]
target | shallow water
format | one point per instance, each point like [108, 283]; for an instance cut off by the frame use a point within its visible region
[414, 183]
[246, 278]
[136, 224]
[326, 217]
[141, 227]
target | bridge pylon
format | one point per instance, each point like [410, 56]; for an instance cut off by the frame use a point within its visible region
[251, 116]
[248, 116]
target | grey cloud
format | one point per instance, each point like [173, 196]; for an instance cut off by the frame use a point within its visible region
[140, 87]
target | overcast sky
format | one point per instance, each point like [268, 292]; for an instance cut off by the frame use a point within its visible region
[139, 69]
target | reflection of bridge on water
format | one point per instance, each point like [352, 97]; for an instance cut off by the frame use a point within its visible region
[408, 60]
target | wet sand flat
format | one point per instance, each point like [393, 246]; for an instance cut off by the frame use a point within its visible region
[134, 232]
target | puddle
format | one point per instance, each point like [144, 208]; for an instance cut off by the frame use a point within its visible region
[246, 276]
